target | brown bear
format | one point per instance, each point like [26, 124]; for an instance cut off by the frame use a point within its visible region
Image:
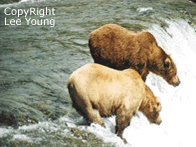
[97, 90]
[119, 48]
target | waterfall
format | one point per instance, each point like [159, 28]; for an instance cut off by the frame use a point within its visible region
[178, 126]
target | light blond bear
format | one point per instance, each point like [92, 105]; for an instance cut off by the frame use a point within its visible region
[119, 48]
[97, 90]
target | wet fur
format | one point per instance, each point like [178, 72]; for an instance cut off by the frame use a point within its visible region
[97, 90]
[119, 48]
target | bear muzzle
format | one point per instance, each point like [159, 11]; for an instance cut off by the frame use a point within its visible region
[159, 122]
[156, 120]
[175, 81]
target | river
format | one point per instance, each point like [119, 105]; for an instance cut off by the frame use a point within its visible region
[39, 51]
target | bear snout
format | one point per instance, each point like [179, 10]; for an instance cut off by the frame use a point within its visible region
[159, 122]
[175, 81]
[156, 120]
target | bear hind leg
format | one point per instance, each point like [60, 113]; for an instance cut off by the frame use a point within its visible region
[89, 114]
[94, 116]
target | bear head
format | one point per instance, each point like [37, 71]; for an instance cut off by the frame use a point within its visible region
[164, 66]
[170, 72]
[153, 114]
[151, 107]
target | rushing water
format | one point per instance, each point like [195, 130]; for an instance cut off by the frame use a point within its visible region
[36, 61]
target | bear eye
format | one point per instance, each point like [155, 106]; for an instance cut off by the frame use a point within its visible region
[167, 74]
[166, 65]
[159, 106]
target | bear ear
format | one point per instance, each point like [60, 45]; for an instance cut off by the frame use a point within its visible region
[167, 62]
[158, 99]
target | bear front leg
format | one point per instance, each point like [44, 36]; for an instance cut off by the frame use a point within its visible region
[144, 75]
[122, 121]
[140, 68]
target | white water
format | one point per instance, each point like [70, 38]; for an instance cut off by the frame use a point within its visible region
[178, 112]
[178, 103]
[178, 126]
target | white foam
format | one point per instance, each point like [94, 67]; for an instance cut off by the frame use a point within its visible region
[178, 126]
[179, 39]
[21, 137]
[4, 132]
[145, 9]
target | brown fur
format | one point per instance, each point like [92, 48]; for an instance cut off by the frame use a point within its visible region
[97, 90]
[120, 48]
